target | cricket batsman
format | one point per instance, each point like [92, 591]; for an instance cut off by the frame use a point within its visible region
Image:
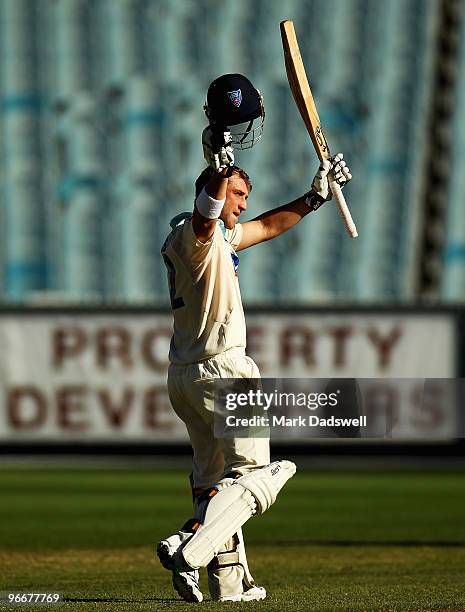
[232, 478]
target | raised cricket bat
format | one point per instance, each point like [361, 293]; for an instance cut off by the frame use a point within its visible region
[303, 98]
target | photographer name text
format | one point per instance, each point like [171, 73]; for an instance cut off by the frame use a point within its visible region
[300, 421]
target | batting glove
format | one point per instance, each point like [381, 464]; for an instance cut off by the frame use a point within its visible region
[217, 148]
[334, 167]
[340, 170]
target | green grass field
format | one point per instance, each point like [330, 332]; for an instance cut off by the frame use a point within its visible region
[347, 541]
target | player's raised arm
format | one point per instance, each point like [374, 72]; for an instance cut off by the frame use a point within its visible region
[236, 114]
[209, 203]
[277, 221]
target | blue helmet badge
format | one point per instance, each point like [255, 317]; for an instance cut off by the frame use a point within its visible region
[235, 97]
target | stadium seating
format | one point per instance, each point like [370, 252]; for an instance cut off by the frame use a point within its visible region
[101, 119]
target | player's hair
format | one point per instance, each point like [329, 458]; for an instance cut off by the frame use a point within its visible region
[206, 175]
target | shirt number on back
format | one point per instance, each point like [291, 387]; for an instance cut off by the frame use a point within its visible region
[176, 302]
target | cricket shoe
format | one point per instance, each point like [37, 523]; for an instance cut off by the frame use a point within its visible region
[185, 583]
[253, 594]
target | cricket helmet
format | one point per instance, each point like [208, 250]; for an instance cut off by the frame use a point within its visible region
[234, 104]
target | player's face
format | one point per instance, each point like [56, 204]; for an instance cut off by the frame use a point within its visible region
[237, 193]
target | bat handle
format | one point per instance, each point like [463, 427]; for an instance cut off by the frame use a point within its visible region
[343, 208]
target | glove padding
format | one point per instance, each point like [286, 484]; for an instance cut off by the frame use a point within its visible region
[320, 191]
[217, 148]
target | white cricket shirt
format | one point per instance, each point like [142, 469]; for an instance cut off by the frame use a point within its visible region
[205, 295]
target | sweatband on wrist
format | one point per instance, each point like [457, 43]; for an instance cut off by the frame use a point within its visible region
[207, 206]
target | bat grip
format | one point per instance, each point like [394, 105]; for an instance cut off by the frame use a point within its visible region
[343, 208]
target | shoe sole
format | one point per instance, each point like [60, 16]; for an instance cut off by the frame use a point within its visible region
[244, 597]
[163, 553]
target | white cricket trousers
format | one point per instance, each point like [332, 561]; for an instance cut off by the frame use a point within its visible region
[191, 391]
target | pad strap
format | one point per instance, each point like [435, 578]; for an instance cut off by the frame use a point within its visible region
[225, 559]
[190, 525]
[207, 494]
